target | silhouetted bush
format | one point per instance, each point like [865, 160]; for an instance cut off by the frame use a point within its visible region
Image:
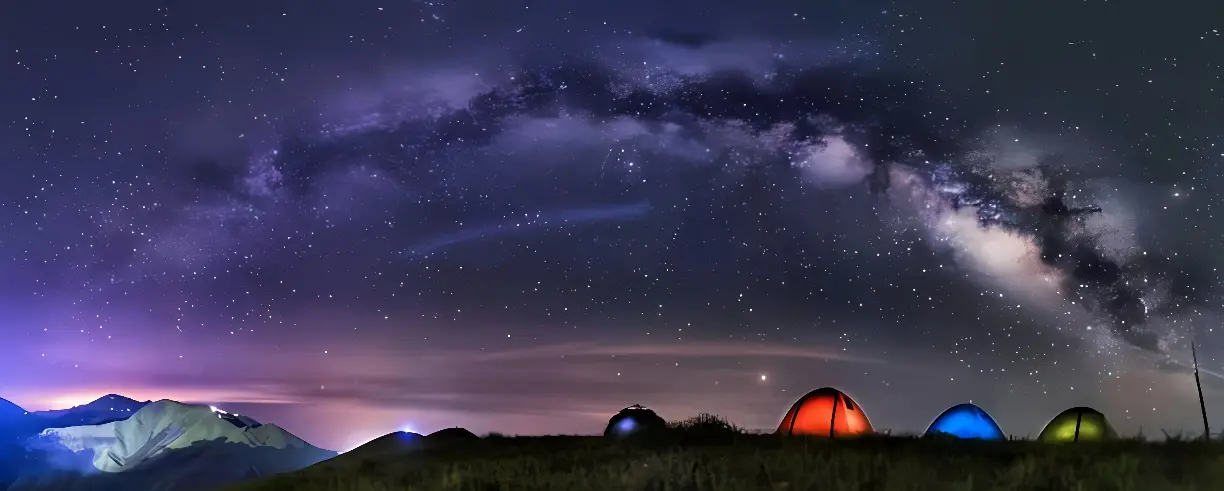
[705, 428]
[709, 422]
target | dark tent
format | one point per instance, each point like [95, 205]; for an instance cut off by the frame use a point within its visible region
[633, 420]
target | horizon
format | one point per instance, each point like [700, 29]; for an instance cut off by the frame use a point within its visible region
[349, 443]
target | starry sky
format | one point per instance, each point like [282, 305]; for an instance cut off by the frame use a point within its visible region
[354, 217]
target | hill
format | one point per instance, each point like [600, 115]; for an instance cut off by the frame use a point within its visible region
[12, 418]
[402, 442]
[110, 407]
[9, 410]
[763, 462]
[164, 445]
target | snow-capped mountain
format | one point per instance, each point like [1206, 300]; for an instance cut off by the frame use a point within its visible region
[164, 445]
[163, 426]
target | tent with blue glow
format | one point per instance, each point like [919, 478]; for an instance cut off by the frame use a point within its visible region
[966, 421]
[634, 419]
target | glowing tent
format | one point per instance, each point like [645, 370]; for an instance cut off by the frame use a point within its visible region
[1078, 424]
[634, 419]
[966, 421]
[825, 412]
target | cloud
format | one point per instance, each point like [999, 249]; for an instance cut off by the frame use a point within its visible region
[687, 39]
[834, 161]
[543, 134]
[528, 222]
[692, 349]
[557, 376]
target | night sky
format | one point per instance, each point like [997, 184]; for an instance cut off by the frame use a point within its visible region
[354, 217]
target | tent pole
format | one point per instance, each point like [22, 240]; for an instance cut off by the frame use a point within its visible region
[1079, 417]
[1202, 404]
[833, 416]
[794, 417]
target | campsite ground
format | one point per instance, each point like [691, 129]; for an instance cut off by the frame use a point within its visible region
[727, 461]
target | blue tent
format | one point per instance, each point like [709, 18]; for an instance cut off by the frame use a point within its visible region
[966, 421]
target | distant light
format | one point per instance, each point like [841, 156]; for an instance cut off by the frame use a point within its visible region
[626, 425]
[217, 410]
[407, 429]
[762, 376]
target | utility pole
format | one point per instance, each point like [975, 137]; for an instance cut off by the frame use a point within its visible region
[1199, 386]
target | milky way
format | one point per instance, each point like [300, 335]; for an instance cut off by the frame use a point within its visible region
[522, 217]
[811, 107]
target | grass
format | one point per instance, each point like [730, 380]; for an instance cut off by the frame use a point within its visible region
[709, 454]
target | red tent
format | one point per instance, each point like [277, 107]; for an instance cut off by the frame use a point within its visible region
[825, 412]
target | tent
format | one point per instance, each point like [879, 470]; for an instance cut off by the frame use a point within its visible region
[634, 419]
[966, 421]
[825, 412]
[1078, 424]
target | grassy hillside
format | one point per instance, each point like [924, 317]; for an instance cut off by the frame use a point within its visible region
[726, 461]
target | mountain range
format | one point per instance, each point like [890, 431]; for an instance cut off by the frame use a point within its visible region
[110, 407]
[117, 443]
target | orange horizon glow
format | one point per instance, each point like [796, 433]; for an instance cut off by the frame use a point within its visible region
[40, 400]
